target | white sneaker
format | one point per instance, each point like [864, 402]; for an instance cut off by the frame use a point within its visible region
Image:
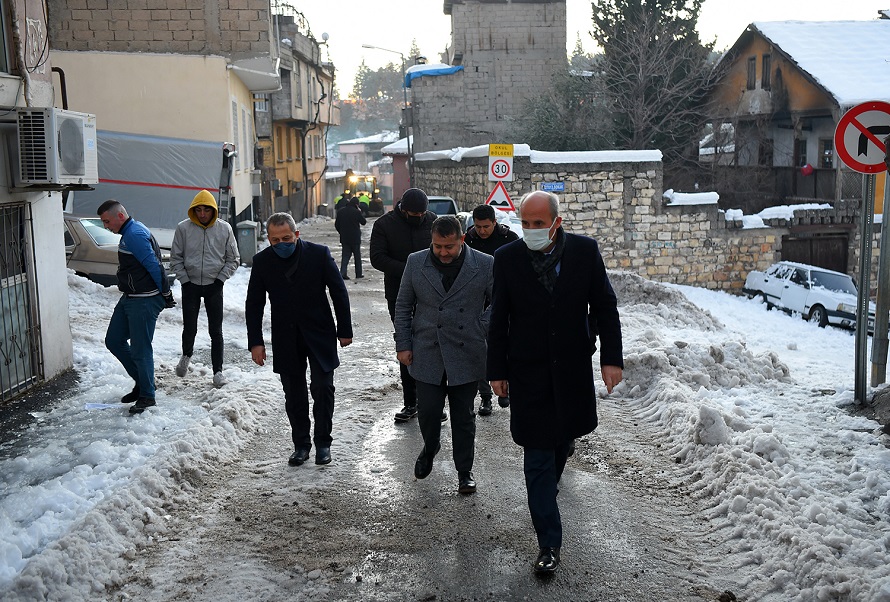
[219, 380]
[183, 366]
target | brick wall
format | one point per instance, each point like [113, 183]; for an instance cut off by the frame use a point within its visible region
[620, 204]
[224, 27]
[510, 49]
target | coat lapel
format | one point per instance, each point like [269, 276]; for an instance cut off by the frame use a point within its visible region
[432, 275]
[466, 274]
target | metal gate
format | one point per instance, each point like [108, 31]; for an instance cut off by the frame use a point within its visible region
[20, 364]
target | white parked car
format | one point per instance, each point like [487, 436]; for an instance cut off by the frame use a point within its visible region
[819, 295]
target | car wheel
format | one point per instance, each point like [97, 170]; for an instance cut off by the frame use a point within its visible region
[819, 316]
[766, 301]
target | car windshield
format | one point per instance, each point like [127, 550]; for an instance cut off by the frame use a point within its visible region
[98, 233]
[839, 283]
[441, 207]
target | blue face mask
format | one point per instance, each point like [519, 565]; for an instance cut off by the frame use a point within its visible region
[285, 249]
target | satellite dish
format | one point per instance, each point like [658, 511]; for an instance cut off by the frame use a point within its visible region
[324, 37]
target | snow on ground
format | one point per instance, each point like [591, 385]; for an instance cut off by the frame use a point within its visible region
[752, 406]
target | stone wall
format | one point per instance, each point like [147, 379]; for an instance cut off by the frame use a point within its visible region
[509, 50]
[176, 26]
[621, 205]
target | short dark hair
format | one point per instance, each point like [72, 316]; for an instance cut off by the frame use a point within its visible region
[484, 212]
[110, 205]
[447, 225]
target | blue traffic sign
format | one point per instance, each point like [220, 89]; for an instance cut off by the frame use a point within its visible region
[553, 186]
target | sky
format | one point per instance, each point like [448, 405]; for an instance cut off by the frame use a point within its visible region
[357, 22]
[751, 403]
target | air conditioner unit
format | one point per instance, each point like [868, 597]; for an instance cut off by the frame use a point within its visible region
[56, 148]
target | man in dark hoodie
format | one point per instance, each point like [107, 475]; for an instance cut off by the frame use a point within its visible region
[348, 223]
[394, 236]
[203, 256]
[487, 235]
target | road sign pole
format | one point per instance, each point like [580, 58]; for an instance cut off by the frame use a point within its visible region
[866, 221]
[879, 343]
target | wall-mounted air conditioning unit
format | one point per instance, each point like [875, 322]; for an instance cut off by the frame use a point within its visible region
[56, 148]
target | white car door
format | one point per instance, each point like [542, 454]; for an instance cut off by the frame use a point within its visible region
[774, 282]
[796, 290]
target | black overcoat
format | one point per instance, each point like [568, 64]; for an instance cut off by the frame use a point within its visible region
[300, 306]
[542, 343]
[392, 240]
[348, 223]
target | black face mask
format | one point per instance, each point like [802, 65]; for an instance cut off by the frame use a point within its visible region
[414, 220]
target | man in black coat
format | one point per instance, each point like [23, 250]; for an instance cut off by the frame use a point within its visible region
[349, 222]
[551, 298]
[487, 235]
[394, 236]
[297, 276]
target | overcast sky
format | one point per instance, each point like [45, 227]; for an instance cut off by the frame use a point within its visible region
[394, 23]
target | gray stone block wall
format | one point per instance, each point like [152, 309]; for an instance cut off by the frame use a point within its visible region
[230, 27]
[510, 51]
[620, 205]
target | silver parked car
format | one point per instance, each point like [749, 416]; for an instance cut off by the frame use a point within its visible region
[91, 250]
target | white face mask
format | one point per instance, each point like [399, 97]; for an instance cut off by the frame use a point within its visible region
[537, 239]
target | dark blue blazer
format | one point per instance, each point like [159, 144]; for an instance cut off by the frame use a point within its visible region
[301, 314]
[542, 343]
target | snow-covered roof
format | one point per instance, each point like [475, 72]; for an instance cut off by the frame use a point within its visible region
[523, 150]
[690, 198]
[399, 147]
[382, 137]
[849, 59]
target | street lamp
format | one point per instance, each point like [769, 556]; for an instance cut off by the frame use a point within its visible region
[407, 125]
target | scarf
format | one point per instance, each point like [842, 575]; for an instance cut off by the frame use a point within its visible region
[544, 264]
[449, 271]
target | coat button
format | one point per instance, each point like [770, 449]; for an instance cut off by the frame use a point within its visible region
[441, 308]
[436, 343]
[438, 326]
[461, 310]
[460, 327]
[461, 344]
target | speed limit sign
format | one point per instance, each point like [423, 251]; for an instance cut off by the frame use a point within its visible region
[500, 162]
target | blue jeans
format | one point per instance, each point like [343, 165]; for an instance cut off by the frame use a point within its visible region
[129, 336]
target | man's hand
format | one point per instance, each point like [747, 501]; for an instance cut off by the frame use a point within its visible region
[612, 375]
[169, 301]
[405, 357]
[345, 342]
[500, 388]
[258, 354]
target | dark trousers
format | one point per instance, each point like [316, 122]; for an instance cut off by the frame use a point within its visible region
[191, 307]
[431, 402]
[129, 336]
[296, 403]
[354, 251]
[409, 385]
[543, 469]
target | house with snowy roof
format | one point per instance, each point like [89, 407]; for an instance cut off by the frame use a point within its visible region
[783, 86]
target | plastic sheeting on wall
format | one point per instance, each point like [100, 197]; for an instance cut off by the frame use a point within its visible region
[154, 178]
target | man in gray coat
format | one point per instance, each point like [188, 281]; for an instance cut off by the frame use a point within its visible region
[441, 323]
[203, 256]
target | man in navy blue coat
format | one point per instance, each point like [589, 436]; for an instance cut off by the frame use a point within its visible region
[298, 276]
[551, 298]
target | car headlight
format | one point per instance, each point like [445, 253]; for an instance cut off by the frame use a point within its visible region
[846, 307]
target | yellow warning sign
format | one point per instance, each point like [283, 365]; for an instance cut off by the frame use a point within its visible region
[500, 150]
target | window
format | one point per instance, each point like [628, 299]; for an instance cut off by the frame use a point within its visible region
[765, 72]
[235, 132]
[765, 156]
[800, 152]
[261, 103]
[5, 54]
[298, 86]
[246, 145]
[826, 153]
[279, 137]
[752, 72]
[308, 144]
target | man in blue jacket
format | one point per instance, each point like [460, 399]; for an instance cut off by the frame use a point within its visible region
[297, 276]
[146, 291]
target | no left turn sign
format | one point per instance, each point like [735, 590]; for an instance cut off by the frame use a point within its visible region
[859, 136]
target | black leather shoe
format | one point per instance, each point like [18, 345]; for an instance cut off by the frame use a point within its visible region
[141, 404]
[571, 449]
[548, 560]
[323, 455]
[424, 465]
[444, 416]
[465, 482]
[504, 402]
[485, 407]
[406, 414]
[298, 457]
[131, 396]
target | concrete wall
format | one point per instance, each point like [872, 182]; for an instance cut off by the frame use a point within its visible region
[509, 49]
[620, 204]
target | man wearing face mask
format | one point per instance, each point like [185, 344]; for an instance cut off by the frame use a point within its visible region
[298, 277]
[551, 298]
[394, 236]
